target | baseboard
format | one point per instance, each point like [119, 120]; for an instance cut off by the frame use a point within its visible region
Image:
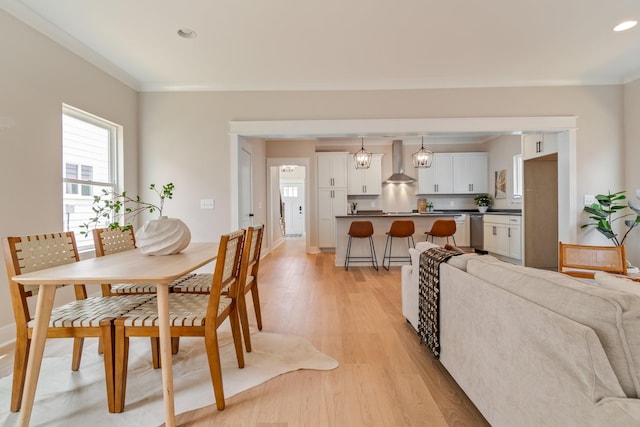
[7, 335]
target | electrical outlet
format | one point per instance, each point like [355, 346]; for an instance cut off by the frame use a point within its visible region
[373, 204]
[451, 203]
[207, 204]
[589, 199]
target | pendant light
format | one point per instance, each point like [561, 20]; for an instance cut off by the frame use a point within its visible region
[423, 157]
[362, 157]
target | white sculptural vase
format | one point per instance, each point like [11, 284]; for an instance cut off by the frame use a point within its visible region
[163, 236]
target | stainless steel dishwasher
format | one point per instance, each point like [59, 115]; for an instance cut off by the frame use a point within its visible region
[476, 231]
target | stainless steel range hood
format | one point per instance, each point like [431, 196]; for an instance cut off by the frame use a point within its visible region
[398, 176]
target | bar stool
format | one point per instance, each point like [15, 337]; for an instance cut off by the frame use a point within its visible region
[442, 228]
[361, 230]
[403, 229]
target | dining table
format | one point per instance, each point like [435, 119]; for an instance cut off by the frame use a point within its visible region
[124, 267]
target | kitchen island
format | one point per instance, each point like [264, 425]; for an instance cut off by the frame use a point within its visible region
[381, 225]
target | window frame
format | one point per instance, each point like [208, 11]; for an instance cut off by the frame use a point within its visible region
[115, 132]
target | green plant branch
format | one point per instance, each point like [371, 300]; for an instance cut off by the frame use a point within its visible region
[111, 205]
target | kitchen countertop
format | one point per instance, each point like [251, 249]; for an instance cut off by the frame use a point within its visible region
[436, 213]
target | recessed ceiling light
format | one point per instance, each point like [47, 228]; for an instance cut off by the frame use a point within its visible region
[187, 33]
[623, 26]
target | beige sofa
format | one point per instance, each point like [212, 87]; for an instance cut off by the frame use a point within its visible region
[536, 348]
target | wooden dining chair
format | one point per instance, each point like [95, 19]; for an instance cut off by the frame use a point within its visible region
[190, 315]
[85, 317]
[201, 283]
[109, 241]
[584, 261]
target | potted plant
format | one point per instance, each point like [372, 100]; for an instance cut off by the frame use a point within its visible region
[482, 201]
[610, 208]
[159, 236]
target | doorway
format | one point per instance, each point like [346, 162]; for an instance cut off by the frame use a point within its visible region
[288, 200]
[246, 188]
[292, 192]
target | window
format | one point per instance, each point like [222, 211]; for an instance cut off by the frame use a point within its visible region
[290, 191]
[89, 165]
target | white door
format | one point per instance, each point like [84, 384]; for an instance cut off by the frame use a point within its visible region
[246, 190]
[293, 198]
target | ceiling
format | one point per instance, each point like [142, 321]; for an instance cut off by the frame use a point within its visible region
[344, 44]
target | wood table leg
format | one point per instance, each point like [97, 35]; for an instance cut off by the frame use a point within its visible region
[165, 353]
[43, 314]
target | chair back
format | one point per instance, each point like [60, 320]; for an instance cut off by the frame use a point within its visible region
[226, 273]
[361, 229]
[402, 228]
[33, 253]
[111, 241]
[583, 260]
[251, 255]
[443, 228]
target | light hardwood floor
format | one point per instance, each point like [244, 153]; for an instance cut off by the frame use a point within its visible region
[385, 378]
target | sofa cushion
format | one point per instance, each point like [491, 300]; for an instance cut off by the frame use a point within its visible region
[613, 315]
[610, 281]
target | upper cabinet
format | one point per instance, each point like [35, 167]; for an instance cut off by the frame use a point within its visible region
[439, 177]
[364, 181]
[332, 169]
[455, 173]
[470, 173]
[538, 145]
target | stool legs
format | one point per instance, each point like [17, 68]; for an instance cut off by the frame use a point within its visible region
[387, 255]
[373, 259]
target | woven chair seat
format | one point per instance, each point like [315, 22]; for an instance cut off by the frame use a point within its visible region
[144, 288]
[89, 312]
[184, 310]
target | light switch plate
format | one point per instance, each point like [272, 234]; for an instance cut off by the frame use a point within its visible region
[207, 204]
[589, 199]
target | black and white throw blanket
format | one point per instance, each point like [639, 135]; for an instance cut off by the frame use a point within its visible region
[429, 299]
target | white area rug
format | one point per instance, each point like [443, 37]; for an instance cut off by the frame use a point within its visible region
[66, 398]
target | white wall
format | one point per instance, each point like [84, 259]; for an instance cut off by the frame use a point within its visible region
[501, 151]
[205, 116]
[36, 77]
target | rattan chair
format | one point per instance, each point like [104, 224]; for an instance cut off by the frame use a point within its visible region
[583, 261]
[111, 241]
[361, 230]
[201, 284]
[85, 317]
[443, 228]
[398, 229]
[190, 315]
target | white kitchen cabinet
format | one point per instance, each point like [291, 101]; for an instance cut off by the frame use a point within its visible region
[438, 179]
[332, 169]
[455, 173]
[364, 181]
[331, 203]
[502, 235]
[538, 145]
[332, 195]
[470, 173]
[462, 234]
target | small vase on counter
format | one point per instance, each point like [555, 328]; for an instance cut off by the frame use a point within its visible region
[353, 207]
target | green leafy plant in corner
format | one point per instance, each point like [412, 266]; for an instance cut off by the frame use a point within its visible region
[482, 199]
[109, 206]
[610, 208]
